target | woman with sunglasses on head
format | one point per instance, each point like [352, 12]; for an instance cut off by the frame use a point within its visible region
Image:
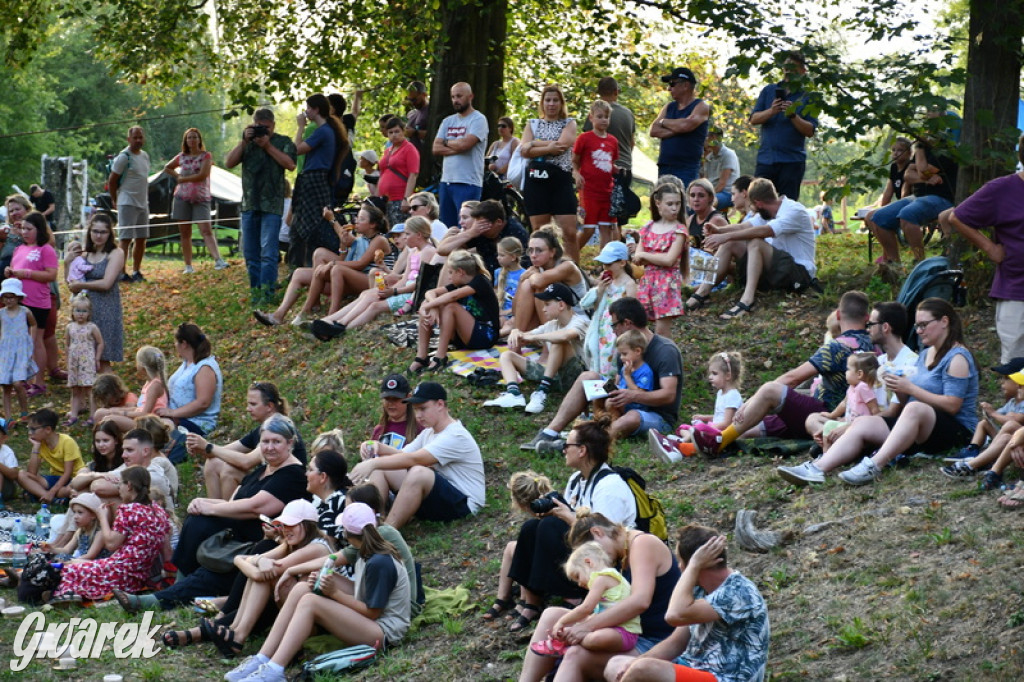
[541, 549]
[226, 465]
[937, 405]
[503, 147]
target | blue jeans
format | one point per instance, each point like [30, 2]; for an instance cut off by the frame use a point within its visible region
[452, 196]
[687, 173]
[260, 248]
[724, 200]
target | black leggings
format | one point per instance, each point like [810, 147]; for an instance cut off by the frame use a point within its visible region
[540, 553]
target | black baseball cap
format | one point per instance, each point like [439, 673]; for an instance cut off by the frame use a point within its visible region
[1012, 367]
[680, 73]
[394, 386]
[557, 291]
[428, 390]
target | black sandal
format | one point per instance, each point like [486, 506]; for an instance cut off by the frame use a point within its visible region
[524, 621]
[437, 364]
[701, 302]
[174, 639]
[738, 310]
[224, 640]
[422, 362]
[498, 609]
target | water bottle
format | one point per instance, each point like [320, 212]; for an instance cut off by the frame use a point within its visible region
[325, 570]
[43, 523]
[19, 545]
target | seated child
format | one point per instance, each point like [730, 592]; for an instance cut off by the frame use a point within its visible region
[999, 426]
[506, 278]
[590, 566]
[8, 466]
[524, 487]
[861, 399]
[87, 542]
[562, 336]
[60, 453]
[634, 373]
[725, 374]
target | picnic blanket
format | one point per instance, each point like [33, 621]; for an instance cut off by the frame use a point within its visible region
[464, 362]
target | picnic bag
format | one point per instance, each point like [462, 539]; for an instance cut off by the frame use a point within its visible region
[329, 664]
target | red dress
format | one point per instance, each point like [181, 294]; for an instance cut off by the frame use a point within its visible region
[144, 527]
[660, 290]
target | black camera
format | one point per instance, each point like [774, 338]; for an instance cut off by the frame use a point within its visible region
[260, 131]
[542, 505]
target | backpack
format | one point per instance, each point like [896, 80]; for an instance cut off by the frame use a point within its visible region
[37, 578]
[329, 664]
[650, 514]
[931, 278]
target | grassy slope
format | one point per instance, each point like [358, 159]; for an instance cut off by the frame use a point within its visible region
[920, 581]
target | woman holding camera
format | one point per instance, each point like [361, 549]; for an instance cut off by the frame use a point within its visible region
[541, 548]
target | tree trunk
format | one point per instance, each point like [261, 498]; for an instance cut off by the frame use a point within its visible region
[990, 97]
[474, 53]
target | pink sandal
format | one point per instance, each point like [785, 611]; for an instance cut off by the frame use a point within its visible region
[550, 647]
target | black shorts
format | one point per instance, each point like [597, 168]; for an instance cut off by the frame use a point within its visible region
[948, 434]
[41, 315]
[554, 194]
[784, 273]
[484, 335]
[445, 502]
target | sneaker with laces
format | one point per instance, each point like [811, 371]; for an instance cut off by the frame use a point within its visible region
[265, 673]
[664, 447]
[243, 670]
[969, 452]
[507, 401]
[802, 474]
[551, 447]
[862, 474]
[189, 270]
[959, 469]
[536, 404]
[220, 264]
[536, 440]
[991, 481]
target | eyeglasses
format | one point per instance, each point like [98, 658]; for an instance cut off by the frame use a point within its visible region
[566, 446]
[413, 207]
[921, 326]
[503, 125]
[616, 323]
[869, 325]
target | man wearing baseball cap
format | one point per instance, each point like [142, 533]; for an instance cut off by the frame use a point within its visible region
[562, 334]
[439, 476]
[682, 126]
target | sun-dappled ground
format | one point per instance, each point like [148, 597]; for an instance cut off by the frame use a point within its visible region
[919, 578]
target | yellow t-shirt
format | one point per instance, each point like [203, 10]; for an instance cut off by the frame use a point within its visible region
[66, 451]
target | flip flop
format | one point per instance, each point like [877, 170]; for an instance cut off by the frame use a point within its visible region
[1014, 498]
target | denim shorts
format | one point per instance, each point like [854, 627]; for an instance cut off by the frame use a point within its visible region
[651, 420]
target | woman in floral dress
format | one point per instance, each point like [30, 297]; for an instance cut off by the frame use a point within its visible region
[136, 540]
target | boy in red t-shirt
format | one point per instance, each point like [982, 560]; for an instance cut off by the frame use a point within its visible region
[593, 163]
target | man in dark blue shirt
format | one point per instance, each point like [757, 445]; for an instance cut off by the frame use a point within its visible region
[682, 126]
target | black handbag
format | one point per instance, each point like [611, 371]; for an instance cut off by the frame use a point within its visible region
[218, 552]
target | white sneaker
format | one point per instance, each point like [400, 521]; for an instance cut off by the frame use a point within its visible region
[862, 474]
[221, 264]
[188, 270]
[507, 401]
[802, 474]
[300, 320]
[243, 670]
[536, 404]
[664, 447]
[265, 673]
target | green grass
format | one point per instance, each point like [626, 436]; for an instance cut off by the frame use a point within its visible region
[919, 592]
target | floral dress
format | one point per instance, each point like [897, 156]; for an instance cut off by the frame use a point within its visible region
[16, 363]
[660, 290]
[144, 526]
[599, 343]
[81, 355]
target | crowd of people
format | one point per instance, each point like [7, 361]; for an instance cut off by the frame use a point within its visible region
[290, 538]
